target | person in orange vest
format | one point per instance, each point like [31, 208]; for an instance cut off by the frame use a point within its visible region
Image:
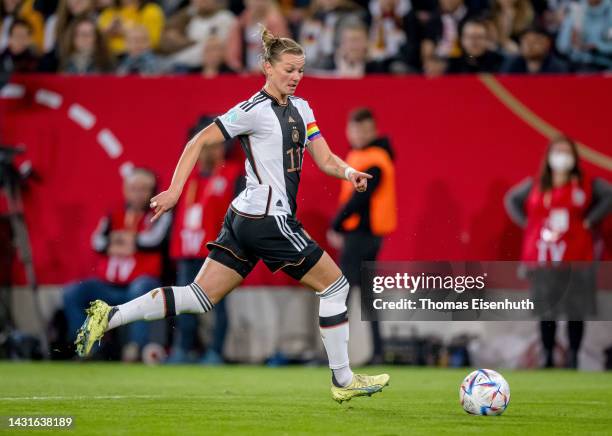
[364, 219]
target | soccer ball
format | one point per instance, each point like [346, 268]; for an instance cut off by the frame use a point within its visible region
[484, 392]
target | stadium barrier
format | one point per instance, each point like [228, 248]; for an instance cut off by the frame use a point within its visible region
[460, 143]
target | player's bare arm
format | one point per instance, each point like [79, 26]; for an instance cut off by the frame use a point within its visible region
[164, 201]
[333, 166]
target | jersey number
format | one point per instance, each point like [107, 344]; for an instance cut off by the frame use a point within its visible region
[297, 157]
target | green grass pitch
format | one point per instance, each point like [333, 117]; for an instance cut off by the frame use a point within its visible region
[110, 398]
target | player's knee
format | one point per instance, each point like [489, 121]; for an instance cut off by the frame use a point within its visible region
[332, 308]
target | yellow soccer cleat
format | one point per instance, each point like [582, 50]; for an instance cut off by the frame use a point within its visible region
[93, 328]
[360, 385]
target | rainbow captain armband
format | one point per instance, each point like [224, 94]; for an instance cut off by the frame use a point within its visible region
[312, 131]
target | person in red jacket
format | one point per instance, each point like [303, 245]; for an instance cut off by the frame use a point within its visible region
[559, 212]
[198, 218]
[130, 258]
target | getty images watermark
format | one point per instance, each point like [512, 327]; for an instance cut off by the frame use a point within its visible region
[423, 282]
[494, 291]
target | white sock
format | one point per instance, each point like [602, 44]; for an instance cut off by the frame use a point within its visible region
[161, 303]
[333, 323]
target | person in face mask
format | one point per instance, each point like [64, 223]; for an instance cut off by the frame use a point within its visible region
[560, 211]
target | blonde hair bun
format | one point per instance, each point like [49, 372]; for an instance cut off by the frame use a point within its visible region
[274, 46]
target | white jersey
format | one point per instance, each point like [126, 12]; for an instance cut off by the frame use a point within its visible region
[273, 137]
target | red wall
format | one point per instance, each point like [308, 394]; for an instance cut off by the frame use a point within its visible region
[458, 150]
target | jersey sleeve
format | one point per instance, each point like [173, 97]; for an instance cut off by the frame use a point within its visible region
[239, 120]
[312, 130]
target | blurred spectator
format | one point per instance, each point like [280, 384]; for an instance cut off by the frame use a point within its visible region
[434, 66]
[57, 24]
[351, 57]
[19, 57]
[13, 9]
[493, 40]
[199, 215]
[415, 26]
[441, 40]
[213, 60]
[84, 49]
[57, 29]
[585, 36]
[244, 40]
[130, 259]
[479, 8]
[46, 7]
[171, 6]
[476, 57]
[511, 18]
[114, 22]
[295, 11]
[386, 30]
[559, 211]
[364, 219]
[550, 14]
[188, 30]
[536, 56]
[139, 58]
[320, 34]
[100, 5]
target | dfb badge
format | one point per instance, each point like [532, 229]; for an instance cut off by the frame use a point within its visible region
[295, 135]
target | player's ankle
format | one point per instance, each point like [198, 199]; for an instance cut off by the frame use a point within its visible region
[342, 377]
[114, 318]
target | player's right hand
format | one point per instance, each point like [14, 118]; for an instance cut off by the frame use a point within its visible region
[163, 202]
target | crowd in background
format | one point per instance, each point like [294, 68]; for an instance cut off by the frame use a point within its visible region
[342, 38]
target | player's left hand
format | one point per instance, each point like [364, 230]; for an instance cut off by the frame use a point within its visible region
[359, 180]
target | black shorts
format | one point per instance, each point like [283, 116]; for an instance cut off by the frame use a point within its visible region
[278, 240]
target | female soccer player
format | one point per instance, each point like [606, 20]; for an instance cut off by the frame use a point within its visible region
[274, 128]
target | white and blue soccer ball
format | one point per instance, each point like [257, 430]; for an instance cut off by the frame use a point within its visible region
[484, 392]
